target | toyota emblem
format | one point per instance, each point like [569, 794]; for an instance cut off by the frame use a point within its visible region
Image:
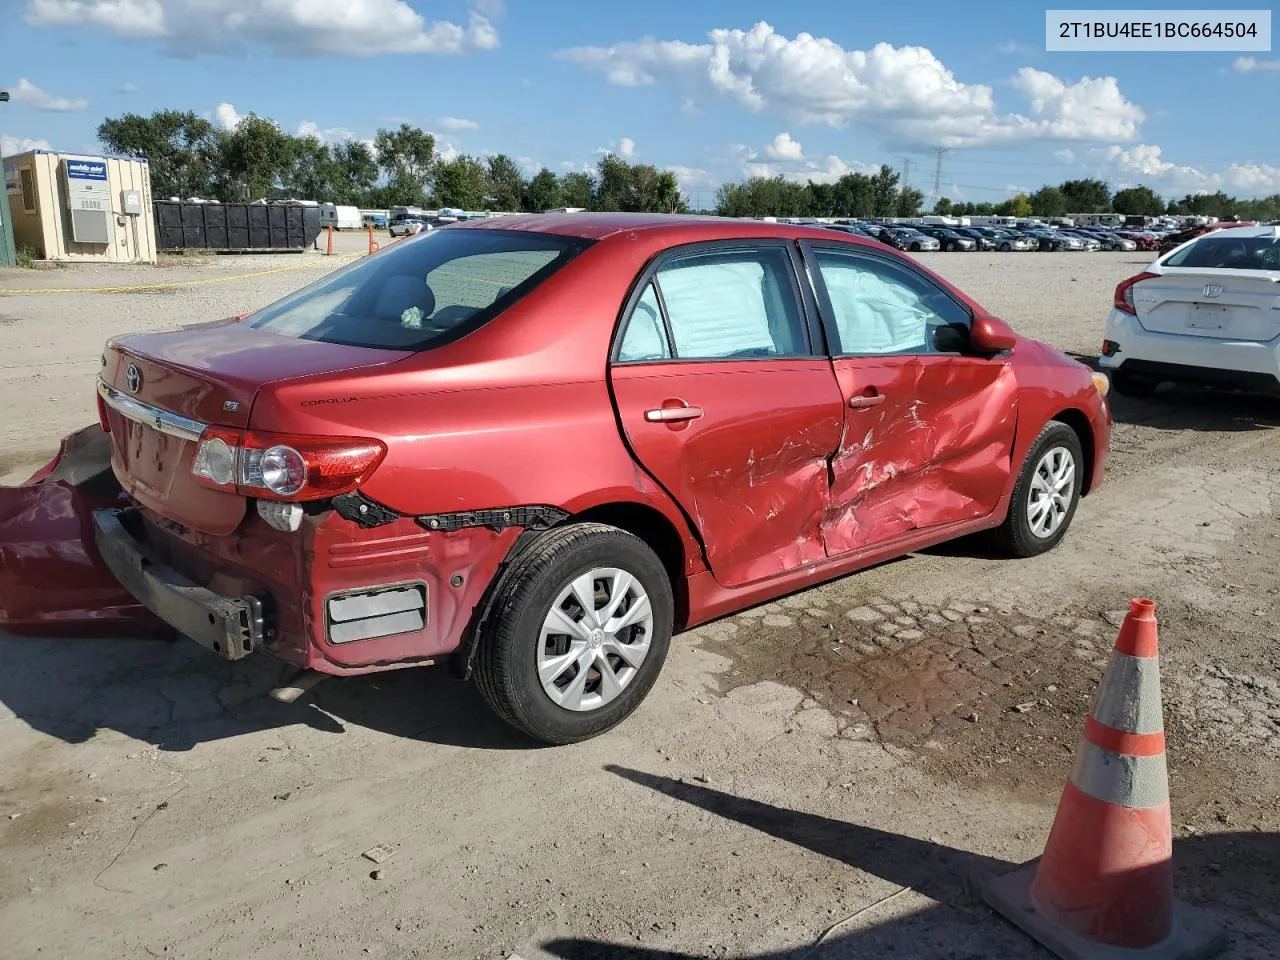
[1212, 291]
[133, 378]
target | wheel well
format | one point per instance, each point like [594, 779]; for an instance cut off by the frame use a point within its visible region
[655, 530]
[1078, 422]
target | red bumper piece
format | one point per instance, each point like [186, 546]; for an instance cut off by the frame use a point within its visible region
[52, 580]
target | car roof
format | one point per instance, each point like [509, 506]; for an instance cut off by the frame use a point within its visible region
[1243, 232]
[665, 228]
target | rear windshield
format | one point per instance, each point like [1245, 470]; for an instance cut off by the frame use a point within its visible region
[422, 292]
[1230, 253]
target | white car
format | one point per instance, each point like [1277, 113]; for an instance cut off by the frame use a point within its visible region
[1207, 312]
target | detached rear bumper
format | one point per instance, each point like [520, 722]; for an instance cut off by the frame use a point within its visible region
[231, 628]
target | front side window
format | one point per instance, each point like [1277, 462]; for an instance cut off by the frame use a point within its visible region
[879, 308]
[423, 292]
[730, 305]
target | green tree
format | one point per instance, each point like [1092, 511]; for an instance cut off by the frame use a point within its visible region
[310, 171]
[506, 183]
[613, 184]
[256, 160]
[181, 150]
[1015, 206]
[1138, 201]
[461, 182]
[1086, 196]
[1049, 202]
[884, 186]
[543, 192]
[355, 171]
[577, 189]
[854, 195]
[910, 201]
[406, 157]
[943, 207]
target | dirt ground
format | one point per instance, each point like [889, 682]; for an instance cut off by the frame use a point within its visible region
[907, 727]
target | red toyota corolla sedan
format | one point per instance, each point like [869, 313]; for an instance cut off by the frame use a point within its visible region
[534, 447]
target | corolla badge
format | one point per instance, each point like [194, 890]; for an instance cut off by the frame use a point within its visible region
[1212, 290]
[133, 378]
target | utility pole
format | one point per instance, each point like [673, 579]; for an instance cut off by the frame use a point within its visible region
[906, 172]
[937, 173]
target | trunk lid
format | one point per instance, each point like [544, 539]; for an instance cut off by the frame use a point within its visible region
[1208, 302]
[161, 388]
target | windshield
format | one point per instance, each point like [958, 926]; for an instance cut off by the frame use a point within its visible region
[1230, 253]
[422, 292]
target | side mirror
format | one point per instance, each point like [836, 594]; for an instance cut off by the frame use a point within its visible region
[991, 335]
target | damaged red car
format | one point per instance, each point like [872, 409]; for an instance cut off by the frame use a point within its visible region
[532, 448]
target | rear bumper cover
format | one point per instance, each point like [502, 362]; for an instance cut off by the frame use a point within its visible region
[231, 628]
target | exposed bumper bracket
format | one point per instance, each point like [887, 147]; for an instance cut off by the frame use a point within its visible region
[233, 629]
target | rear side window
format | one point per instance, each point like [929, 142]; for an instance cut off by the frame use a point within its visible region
[1230, 253]
[423, 292]
[731, 305]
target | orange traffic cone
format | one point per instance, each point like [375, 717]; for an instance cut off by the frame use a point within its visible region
[1104, 884]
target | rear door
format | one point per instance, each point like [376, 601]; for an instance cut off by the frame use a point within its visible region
[725, 401]
[929, 429]
[1221, 304]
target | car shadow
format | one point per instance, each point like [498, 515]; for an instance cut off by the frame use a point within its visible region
[1175, 407]
[1231, 875]
[175, 695]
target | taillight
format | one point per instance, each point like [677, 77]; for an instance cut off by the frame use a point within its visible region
[1123, 300]
[283, 466]
[102, 415]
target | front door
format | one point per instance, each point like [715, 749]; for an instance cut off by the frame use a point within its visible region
[929, 429]
[726, 403]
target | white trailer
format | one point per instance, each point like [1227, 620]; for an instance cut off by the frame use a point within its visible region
[340, 217]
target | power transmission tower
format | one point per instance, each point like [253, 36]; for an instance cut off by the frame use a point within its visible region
[937, 173]
[906, 172]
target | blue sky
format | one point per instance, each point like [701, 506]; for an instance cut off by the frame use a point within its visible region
[714, 90]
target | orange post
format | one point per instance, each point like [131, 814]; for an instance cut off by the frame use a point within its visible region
[329, 246]
[373, 244]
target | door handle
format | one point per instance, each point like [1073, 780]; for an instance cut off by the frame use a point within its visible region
[672, 414]
[865, 400]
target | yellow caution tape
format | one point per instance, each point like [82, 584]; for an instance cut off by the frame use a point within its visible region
[17, 291]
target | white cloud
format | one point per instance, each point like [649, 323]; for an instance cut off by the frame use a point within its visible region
[624, 148]
[353, 28]
[11, 146]
[1066, 155]
[786, 158]
[1010, 47]
[906, 93]
[1250, 64]
[455, 124]
[1147, 161]
[28, 93]
[693, 178]
[127, 88]
[784, 148]
[329, 135]
[226, 116]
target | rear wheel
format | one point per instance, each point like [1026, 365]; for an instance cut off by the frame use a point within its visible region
[581, 630]
[1046, 493]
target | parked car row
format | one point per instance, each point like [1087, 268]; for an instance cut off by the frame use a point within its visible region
[929, 237]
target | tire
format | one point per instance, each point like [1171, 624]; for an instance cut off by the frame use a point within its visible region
[1005, 248]
[513, 641]
[1018, 535]
[1128, 385]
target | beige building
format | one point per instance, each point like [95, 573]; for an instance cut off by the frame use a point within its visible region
[81, 209]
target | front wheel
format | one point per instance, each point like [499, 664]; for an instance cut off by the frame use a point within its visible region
[1046, 493]
[581, 629]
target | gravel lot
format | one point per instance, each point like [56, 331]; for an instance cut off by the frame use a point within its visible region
[795, 763]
